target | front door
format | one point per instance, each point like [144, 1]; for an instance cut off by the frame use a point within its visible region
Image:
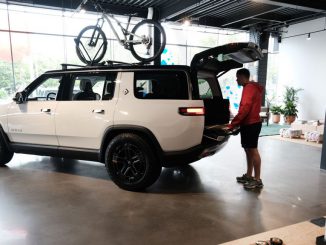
[32, 122]
[81, 121]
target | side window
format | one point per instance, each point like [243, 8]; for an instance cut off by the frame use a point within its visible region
[162, 85]
[205, 91]
[88, 87]
[46, 90]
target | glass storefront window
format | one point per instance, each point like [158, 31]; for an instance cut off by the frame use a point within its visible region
[272, 74]
[174, 55]
[6, 74]
[23, 19]
[35, 54]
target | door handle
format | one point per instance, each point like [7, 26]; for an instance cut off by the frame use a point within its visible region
[99, 111]
[47, 110]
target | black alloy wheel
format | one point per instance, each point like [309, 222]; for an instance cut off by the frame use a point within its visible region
[131, 162]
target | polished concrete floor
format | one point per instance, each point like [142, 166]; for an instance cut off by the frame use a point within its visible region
[54, 201]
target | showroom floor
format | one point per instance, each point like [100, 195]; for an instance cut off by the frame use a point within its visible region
[53, 201]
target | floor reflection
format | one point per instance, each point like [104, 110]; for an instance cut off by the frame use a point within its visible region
[64, 165]
[178, 180]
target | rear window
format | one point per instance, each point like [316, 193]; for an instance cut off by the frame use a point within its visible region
[162, 85]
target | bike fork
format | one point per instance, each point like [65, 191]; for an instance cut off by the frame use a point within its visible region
[99, 24]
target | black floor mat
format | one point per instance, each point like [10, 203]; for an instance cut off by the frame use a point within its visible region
[320, 221]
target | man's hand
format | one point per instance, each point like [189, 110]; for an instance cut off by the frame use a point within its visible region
[234, 130]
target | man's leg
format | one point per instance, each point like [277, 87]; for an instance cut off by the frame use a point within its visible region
[250, 165]
[254, 156]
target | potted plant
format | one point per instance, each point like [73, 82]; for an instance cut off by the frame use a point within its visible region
[290, 100]
[276, 111]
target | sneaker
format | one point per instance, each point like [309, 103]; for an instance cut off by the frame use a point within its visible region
[244, 178]
[253, 184]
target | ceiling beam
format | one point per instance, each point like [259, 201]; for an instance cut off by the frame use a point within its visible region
[296, 20]
[120, 10]
[209, 21]
[181, 7]
[263, 9]
[306, 5]
[52, 4]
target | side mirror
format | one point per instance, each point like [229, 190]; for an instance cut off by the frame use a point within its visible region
[20, 97]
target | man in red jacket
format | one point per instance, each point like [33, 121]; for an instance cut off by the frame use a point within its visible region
[250, 125]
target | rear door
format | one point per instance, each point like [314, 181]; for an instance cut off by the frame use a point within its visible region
[81, 120]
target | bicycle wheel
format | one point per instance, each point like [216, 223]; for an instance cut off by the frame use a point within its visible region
[91, 45]
[142, 40]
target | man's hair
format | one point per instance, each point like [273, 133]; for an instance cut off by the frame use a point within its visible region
[244, 72]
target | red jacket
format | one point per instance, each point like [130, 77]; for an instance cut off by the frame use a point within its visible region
[250, 105]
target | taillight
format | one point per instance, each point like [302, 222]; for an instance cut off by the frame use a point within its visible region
[192, 111]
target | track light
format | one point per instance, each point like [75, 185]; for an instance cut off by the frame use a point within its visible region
[186, 22]
[308, 37]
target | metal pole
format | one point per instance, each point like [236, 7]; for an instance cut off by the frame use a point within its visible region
[262, 67]
[323, 152]
[157, 37]
[11, 53]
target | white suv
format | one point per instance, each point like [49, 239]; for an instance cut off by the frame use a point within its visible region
[135, 119]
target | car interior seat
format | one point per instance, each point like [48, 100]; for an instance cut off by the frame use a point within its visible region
[86, 92]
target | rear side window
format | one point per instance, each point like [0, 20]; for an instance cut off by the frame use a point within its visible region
[162, 85]
[92, 86]
[208, 85]
[205, 91]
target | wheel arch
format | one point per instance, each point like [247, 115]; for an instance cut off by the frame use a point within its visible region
[143, 132]
[5, 138]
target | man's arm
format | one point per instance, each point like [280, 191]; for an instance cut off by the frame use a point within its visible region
[247, 99]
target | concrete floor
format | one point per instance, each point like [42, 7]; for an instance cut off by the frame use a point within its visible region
[53, 201]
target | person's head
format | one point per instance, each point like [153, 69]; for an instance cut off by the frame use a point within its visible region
[243, 76]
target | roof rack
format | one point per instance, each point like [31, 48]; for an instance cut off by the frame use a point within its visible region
[109, 63]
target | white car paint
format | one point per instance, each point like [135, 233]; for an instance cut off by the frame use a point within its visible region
[32, 122]
[173, 131]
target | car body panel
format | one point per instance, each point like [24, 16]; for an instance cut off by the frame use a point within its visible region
[173, 131]
[32, 122]
[82, 124]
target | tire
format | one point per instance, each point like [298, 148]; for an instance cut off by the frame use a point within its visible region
[131, 163]
[162, 44]
[86, 33]
[5, 154]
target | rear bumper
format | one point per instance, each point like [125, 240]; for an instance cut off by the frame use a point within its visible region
[208, 147]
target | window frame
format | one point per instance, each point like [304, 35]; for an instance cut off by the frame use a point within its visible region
[106, 74]
[40, 80]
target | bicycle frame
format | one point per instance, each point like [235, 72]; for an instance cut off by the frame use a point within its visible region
[124, 42]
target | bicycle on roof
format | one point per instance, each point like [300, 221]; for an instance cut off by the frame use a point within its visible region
[91, 43]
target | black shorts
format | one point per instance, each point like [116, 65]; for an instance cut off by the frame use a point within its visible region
[250, 134]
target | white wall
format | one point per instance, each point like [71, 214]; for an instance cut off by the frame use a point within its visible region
[303, 65]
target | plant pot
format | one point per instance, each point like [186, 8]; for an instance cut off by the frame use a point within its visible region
[276, 118]
[290, 119]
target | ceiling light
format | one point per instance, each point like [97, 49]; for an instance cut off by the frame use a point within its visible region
[186, 22]
[308, 37]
